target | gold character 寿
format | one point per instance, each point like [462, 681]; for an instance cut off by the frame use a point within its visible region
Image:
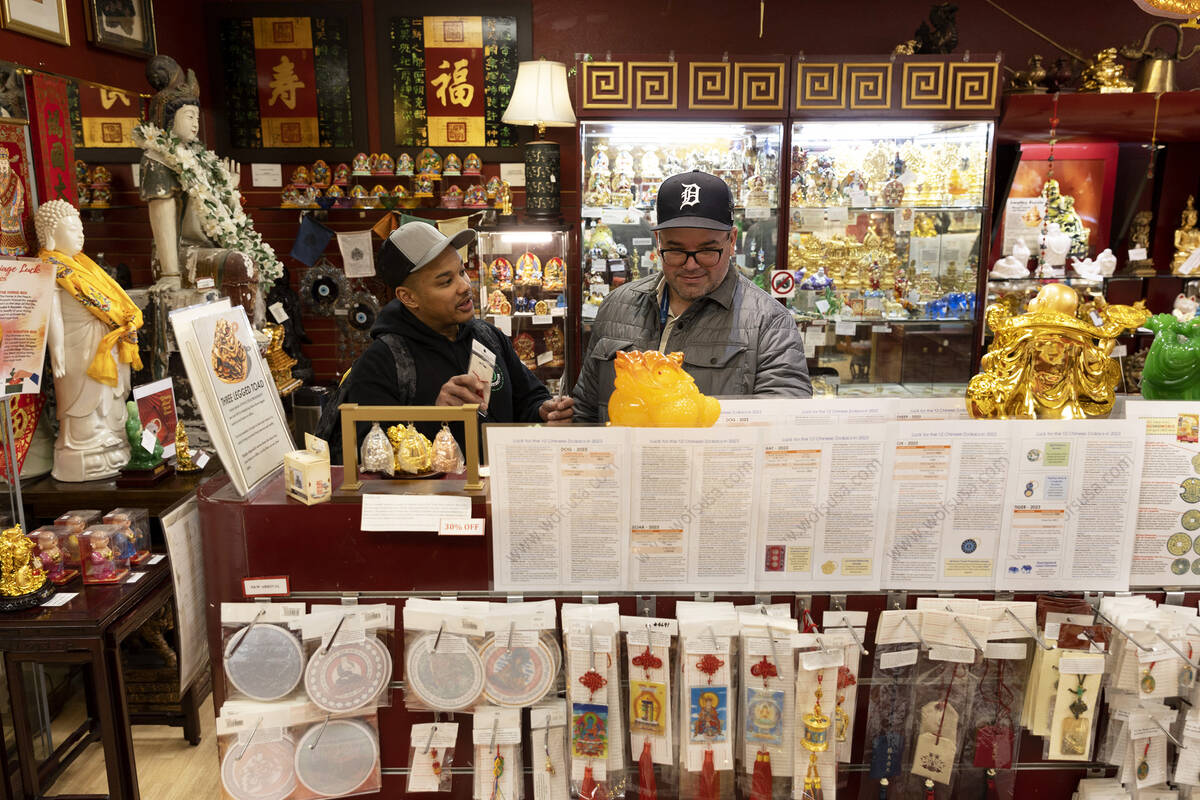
[285, 84]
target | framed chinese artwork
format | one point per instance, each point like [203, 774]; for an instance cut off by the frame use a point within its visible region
[291, 88]
[123, 25]
[102, 121]
[446, 73]
[45, 19]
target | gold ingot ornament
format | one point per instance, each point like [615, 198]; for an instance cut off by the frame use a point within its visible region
[1048, 363]
[414, 452]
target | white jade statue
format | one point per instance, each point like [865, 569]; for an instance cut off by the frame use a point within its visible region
[1185, 308]
[92, 348]
[1103, 266]
[1056, 245]
[1013, 266]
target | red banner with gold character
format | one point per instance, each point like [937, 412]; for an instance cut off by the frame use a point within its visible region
[26, 411]
[108, 115]
[454, 92]
[287, 81]
[50, 120]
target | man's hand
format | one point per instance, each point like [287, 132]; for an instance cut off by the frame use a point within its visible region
[461, 390]
[557, 411]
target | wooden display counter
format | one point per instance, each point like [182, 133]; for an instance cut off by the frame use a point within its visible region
[326, 556]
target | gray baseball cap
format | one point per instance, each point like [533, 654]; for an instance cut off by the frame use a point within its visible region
[412, 246]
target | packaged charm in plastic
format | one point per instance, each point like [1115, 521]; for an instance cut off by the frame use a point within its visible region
[547, 730]
[350, 661]
[257, 753]
[497, 739]
[520, 665]
[102, 561]
[442, 668]
[430, 757]
[594, 702]
[133, 525]
[263, 659]
[376, 454]
[447, 457]
[339, 757]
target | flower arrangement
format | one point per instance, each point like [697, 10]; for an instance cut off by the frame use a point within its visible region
[212, 189]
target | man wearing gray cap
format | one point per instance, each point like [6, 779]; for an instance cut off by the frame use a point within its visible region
[424, 339]
[736, 339]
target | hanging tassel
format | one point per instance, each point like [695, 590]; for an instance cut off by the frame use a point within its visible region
[587, 789]
[708, 779]
[929, 789]
[760, 783]
[883, 787]
[990, 791]
[647, 787]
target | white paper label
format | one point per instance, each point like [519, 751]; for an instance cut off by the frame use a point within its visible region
[60, 599]
[846, 328]
[278, 313]
[589, 213]
[266, 175]
[514, 174]
[503, 323]
[945, 652]
[264, 587]
[822, 306]
[148, 441]
[460, 527]
[1137, 254]
[134, 577]
[1119, 351]
[1075, 665]
[823, 659]
[155, 559]
[757, 212]
[859, 198]
[136, 169]
[1009, 651]
[641, 241]
[201, 458]
[542, 319]
[205, 283]
[398, 512]
[881, 329]
[899, 658]
[840, 214]
[544, 358]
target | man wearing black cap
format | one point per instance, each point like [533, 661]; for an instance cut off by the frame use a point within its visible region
[735, 338]
[425, 336]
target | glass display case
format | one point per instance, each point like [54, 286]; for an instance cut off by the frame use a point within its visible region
[885, 228]
[522, 291]
[623, 164]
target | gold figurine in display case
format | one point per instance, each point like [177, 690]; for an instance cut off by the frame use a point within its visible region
[1049, 363]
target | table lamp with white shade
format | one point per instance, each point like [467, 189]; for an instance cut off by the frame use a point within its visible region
[540, 98]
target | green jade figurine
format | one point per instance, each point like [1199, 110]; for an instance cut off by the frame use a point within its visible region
[1172, 370]
[139, 457]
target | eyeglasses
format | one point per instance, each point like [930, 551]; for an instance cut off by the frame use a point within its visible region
[709, 257]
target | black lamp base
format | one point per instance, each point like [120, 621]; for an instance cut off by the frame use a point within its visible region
[542, 202]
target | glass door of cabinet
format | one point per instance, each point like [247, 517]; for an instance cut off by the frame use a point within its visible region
[623, 164]
[884, 235]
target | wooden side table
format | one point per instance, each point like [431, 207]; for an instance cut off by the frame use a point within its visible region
[87, 630]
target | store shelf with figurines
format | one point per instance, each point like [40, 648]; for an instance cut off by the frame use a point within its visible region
[523, 278]
[884, 241]
[623, 164]
[377, 181]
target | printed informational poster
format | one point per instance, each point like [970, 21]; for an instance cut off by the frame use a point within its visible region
[945, 498]
[1166, 550]
[819, 511]
[692, 510]
[26, 296]
[235, 392]
[560, 510]
[156, 409]
[181, 529]
[1071, 505]
[1023, 220]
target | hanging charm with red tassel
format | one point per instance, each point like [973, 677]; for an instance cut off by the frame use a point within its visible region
[709, 784]
[647, 786]
[760, 782]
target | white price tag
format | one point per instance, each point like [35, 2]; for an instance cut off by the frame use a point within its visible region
[503, 323]
[134, 577]
[544, 358]
[1081, 665]
[881, 329]
[205, 283]
[590, 213]
[846, 328]
[641, 241]
[837, 215]
[156, 558]
[201, 458]
[542, 319]
[148, 441]
[266, 176]
[513, 173]
[1119, 351]
[60, 599]
[599, 264]
[278, 313]
[757, 212]
[945, 652]
[1137, 254]
[898, 658]
[460, 527]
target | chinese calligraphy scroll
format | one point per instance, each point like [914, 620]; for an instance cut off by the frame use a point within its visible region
[50, 120]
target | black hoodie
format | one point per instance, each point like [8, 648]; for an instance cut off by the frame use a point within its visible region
[516, 392]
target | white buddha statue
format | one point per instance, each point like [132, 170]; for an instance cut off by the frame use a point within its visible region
[92, 337]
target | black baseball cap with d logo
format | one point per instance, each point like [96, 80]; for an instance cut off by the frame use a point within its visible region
[694, 200]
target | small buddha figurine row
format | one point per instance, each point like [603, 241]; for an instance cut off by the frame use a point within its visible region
[427, 162]
[477, 195]
[93, 186]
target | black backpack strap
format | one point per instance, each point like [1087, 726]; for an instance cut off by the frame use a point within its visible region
[406, 370]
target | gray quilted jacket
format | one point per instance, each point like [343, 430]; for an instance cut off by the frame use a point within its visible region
[736, 340]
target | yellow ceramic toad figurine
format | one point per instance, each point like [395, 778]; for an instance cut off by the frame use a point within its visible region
[652, 390]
